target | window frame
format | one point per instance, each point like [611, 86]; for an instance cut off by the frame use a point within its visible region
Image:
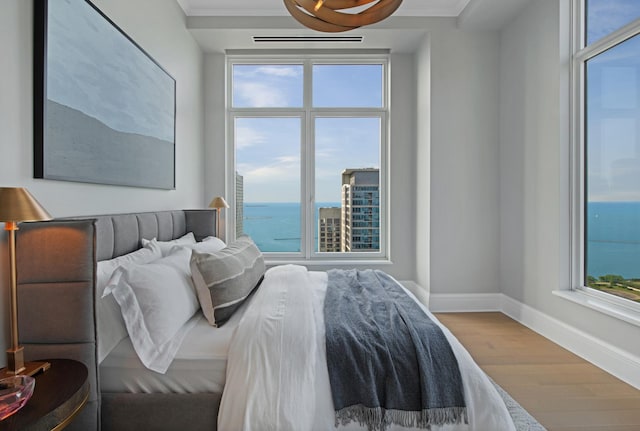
[308, 114]
[581, 53]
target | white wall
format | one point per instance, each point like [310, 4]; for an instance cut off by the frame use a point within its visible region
[156, 25]
[423, 162]
[534, 175]
[215, 126]
[457, 195]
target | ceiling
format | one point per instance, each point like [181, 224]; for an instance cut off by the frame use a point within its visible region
[221, 25]
[276, 7]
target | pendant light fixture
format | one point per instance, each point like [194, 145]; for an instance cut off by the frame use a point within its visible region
[327, 15]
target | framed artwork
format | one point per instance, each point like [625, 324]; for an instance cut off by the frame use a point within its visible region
[104, 110]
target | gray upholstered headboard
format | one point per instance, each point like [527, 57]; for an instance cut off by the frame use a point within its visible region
[56, 263]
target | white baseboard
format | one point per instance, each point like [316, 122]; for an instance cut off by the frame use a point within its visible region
[443, 302]
[611, 359]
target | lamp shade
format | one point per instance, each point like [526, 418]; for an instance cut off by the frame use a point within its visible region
[17, 204]
[218, 202]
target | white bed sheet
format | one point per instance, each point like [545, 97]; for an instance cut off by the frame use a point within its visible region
[199, 366]
[270, 363]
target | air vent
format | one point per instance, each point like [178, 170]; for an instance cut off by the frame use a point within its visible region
[352, 39]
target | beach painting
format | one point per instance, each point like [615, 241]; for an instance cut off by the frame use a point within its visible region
[104, 110]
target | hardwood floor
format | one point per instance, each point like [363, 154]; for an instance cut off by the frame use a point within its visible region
[561, 390]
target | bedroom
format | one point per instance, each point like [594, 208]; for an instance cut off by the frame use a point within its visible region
[485, 200]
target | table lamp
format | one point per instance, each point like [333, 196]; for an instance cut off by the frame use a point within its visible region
[218, 203]
[16, 205]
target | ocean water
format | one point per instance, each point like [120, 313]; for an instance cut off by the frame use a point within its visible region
[613, 233]
[275, 227]
[613, 245]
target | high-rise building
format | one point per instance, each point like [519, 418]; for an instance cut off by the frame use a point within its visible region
[360, 220]
[239, 204]
[329, 229]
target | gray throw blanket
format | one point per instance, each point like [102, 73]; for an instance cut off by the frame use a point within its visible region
[388, 362]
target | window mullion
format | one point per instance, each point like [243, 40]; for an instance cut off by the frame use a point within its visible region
[581, 54]
[307, 175]
[310, 197]
[577, 146]
[608, 42]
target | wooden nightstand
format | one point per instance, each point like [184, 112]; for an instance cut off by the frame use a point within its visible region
[59, 394]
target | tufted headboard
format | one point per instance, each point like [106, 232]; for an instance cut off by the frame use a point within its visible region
[56, 269]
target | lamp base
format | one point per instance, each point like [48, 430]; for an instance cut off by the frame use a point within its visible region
[29, 369]
[17, 367]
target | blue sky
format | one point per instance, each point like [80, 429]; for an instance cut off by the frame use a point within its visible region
[613, 105]
[606, 16]
[268, 150]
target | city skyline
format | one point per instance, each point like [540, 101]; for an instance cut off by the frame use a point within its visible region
[352, 224]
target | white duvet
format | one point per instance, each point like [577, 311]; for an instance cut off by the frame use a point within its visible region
[277, 375]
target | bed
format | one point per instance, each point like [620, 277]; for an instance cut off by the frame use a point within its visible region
[59, 271]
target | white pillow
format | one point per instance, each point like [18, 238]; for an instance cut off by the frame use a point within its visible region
[110, 326]
[156, 300]
[210, 244]
[211, 238]
[165, 246]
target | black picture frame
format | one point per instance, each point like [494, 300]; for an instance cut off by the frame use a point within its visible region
[104, 109]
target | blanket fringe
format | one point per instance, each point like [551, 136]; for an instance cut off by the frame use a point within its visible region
[379, 419]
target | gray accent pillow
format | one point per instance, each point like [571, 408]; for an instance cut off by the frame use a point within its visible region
[226, 278]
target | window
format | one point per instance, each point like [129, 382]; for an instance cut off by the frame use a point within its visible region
[307, 144]
[607, 147]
